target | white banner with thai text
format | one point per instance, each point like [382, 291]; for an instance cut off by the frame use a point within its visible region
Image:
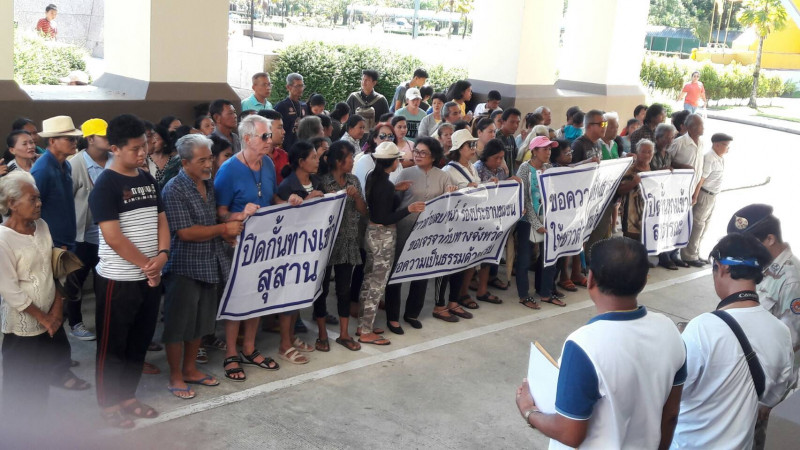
[573, 201]
[459, 230]
[667, 213]
[279, 261]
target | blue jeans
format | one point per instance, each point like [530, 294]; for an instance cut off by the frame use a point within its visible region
[523, 258]
[690, 108]
[545, 276]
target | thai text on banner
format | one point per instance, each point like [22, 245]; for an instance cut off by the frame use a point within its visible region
[667, 213]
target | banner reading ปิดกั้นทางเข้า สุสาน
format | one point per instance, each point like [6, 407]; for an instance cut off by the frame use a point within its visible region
[667, 209]
[280, 258]
[459, 230]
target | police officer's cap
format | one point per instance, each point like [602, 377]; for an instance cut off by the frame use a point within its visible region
[747, 218]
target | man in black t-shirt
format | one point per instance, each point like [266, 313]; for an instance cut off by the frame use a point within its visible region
[134, 246]
[588, 145]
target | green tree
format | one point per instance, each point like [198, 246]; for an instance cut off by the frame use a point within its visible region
[670, 13]
[765, 16]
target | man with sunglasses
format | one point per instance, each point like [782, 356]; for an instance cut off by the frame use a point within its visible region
[724, 383]
[588, 145]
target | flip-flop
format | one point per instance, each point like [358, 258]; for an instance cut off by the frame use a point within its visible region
[380, 341]
[175, 392]
[322, 345]
[207, 380]
[567, 285]
[499, 284]
[150, 369]
[553, 301]
[144, 411]
[489, 298]
[349, 344]
[583, 283]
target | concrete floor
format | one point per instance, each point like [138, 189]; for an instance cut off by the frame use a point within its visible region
[444, 386]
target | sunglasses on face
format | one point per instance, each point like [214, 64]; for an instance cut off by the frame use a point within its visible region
[266, 136]
[385, 137]
[602, 124]
[68, 138]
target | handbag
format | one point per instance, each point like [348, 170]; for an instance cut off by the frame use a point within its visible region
[756, 371]
[65, 264]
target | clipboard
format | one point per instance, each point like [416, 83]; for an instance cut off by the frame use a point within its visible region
[543, 378]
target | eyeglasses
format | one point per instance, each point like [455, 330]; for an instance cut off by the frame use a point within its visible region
[68, 138]
[602, 124]
[297, 86]
[385, 137]
[422, 153]
[266, 136]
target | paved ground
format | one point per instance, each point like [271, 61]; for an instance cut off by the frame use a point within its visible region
[445, 386]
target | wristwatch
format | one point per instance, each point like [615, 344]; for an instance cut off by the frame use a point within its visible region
[164, 251]
[528, 414]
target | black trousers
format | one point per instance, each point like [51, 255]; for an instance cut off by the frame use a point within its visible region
[414, 302]
[343, 273]
[28, 370]
[126, 320]
[454, 280]
[87, 253]
[358, 278]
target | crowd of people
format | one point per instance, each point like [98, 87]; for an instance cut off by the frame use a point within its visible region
[153, 210]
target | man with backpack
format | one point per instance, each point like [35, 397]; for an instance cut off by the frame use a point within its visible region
[367, 103]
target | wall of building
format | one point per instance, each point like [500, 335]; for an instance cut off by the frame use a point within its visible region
[79, 22]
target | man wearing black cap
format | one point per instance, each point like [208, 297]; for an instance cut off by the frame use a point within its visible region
[724, 384]
[705, 195]
[779, 292]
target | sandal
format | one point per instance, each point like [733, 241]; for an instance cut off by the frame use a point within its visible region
[293, 356]
[117, 420]
[140, 410]
[230, 372]
[178, 391]
[322, 345]
[302, 346]
[461, 313]
[583, 282]
[215, 343]
[349, 343]
[71, 382]
[473, 285]
[380, 341]
[150, 369]
[553, 301]
[558, 294]
[447, 318]
[202, 356]
[207, 380]
[530, 302]
[467, 302]
[374, 330]
[266, 363]
[489, 298]
[567, 285]
[499, 284]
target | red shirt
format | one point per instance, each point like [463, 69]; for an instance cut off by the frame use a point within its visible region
[694, 91]
[280, 158]
[43, 26]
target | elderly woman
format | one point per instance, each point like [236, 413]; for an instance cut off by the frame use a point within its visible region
[32, 309]
[632, 201]
[354, 130]
[428, 125]
[662, 160]
[23, 148]
[444, 135]
[244, 183]
[426, 182]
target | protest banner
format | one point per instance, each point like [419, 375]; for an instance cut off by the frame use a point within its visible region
[667, 213]
[280, 258]
[573, 201]
[459, 230]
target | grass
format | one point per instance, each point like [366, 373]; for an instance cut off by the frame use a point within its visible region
[773, 116]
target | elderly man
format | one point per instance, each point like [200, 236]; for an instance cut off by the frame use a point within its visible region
[620, 395]
[779, 291]
[610, 146]
[662, 160]
[687, 153]
[292, 109]
[588, 145]
[547, 115]
[223, 113]
[726, 380]
[87, 166]
[262, 87]
[198, 267]
[134, 247]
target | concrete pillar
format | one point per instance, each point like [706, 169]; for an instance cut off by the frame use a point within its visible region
[603, 50]
[8, 87]
[161, 50]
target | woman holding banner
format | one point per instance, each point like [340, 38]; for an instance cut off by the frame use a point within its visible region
[384, 213]
[427, 183]
[570, 266]
[345, 254]
[632, 201]
[243, 184]
[531, 228]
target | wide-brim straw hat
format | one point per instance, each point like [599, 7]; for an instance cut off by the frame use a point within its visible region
[59, 126]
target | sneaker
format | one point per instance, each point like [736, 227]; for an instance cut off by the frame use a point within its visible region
[202, 356]
[80, 332]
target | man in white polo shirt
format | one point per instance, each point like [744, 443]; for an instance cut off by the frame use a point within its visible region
[621, 374]
[721, 394]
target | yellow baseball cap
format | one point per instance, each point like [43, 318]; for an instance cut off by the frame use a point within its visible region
[94, 127]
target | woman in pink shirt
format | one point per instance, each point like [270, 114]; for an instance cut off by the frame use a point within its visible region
[692, 92]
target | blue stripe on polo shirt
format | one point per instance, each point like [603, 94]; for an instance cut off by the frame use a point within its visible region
[680, 376]
[637, 313]
[578, 387]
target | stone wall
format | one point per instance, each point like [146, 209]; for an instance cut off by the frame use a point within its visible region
[79, 21]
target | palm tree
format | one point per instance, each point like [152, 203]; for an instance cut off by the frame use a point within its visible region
[765, 16]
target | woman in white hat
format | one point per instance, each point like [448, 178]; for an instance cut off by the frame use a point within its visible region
[384, 213]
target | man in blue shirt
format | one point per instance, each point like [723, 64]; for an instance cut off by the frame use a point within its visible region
[53, 175]
[262, 87]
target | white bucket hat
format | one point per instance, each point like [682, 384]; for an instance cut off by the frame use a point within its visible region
[460, 138]
[387, 150]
